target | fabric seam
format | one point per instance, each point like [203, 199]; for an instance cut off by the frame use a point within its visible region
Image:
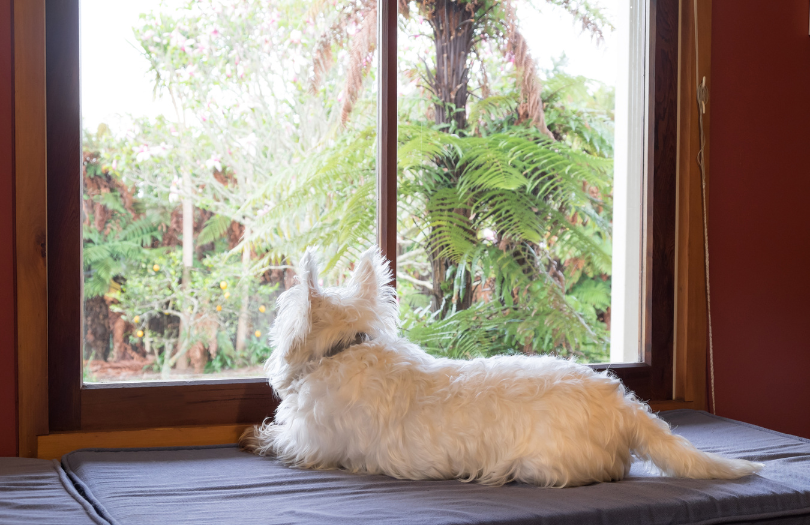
[89, 497]
[70, 489]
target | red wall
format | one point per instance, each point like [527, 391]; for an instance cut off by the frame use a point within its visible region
[759, 218]
[8, 383]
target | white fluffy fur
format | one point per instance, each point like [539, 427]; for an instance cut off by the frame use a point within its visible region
[387, 407]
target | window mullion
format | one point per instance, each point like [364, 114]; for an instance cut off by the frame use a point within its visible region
[387, 131]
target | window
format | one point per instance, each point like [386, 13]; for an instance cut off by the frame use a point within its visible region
[86, 406]
[208, 167]
[510, 116]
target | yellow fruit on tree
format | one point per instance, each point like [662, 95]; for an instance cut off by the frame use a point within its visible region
[262, 308]
[140, 333]
[155, 268]
[219, 308]
[137, 319]
[257, 333]
[223, 285]
[227, 294]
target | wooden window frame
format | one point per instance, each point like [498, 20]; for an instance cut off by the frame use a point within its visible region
[58, 412]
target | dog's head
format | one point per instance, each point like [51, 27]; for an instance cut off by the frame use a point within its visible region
[312, 322]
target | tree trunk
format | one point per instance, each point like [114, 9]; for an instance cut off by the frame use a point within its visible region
[453, 29]
[244, 315]
[166, 368]
[453, 26]
[188, 261]
[119, 328]
[96, 328]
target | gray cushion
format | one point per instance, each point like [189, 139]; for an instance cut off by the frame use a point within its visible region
[224, 485]
[37, 491]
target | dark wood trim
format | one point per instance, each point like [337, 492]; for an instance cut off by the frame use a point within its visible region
[138, 406]
[387, 131]
[126, 406]
[64, 214]
[662, 186]
[635, 376]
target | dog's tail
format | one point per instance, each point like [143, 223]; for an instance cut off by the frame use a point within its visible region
[676, 456]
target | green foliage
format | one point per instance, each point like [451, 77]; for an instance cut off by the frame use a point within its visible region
[509, 208]
[227, 358]
[524, 220]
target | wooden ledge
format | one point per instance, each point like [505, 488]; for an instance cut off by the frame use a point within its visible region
[54, 446]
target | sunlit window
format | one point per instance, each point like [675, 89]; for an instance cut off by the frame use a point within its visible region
[224, 137]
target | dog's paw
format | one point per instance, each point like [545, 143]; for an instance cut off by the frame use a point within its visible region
[249, 440]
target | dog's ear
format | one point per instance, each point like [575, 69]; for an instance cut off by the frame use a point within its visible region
[293, 325]
[372, 275]
[308, 271]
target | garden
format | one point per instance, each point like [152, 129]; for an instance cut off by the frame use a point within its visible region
[194, 221]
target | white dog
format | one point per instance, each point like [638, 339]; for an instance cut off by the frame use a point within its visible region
[356, 396]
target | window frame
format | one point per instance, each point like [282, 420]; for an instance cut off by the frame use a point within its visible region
[74, 407]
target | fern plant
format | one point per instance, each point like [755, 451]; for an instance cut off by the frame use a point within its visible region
[522, 218]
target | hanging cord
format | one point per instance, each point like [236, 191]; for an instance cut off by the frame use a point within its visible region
[702, 98]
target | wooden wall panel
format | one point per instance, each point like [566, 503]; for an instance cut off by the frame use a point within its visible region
[691, 321]
[31, 222]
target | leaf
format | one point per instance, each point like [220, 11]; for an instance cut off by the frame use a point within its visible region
[215, 228]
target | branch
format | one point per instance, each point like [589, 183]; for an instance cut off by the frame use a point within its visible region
[405, 277]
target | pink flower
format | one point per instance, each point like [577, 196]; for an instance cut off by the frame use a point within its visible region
[142, 153]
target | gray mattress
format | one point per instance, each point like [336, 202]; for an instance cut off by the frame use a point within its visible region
[36, 491]
[223, 485]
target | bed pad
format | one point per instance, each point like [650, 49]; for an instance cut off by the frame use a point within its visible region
[37, 491]
[223, 485]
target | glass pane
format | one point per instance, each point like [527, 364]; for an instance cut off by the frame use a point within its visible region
[221, 138]
[507, 116]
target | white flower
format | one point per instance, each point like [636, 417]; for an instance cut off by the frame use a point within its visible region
[176, 39]
[214, 162]
[489, 235]
[295, 36]
[161, 150]
[249, 144]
